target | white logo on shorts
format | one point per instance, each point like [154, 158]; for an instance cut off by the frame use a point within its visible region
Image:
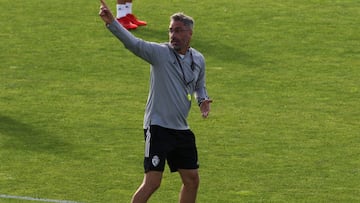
[155, 160]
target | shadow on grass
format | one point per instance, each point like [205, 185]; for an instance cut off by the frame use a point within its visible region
[22, 136]
[221, 52]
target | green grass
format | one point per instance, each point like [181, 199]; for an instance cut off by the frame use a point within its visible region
[285, 121]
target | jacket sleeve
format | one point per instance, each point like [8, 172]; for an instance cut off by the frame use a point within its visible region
[200, 88]
[148, 51]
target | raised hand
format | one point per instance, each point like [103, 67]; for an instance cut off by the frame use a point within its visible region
[105, 13]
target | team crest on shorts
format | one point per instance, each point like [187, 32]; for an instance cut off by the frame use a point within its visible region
[155, 160]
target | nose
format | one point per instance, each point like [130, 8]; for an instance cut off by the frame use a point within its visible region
[172, 35]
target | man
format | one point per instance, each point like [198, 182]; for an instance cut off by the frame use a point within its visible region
[125, 16]
[177, 71]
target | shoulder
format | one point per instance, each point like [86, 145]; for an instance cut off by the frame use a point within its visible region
[198, 57]
[162, 47]
[196, 53]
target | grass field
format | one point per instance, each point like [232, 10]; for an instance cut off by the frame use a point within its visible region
[284, 77]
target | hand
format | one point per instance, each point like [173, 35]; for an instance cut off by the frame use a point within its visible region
[105, 13]
[205, 108]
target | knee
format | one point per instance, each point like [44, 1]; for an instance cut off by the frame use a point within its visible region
[152, 186]
[192, 181]
[151, 182]
[195, 182]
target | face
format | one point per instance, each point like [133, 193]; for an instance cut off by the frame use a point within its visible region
[179, 36]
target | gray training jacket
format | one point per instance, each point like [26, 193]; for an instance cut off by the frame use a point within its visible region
[171, 84]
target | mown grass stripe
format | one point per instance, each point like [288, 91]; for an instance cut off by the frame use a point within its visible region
[34, 199]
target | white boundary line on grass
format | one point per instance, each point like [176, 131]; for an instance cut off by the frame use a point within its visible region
[34, 199]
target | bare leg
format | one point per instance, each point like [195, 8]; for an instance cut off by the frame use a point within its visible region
[150, 184]
[191, 180]
[123, 1]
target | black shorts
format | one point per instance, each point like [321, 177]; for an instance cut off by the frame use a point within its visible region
[177, 147]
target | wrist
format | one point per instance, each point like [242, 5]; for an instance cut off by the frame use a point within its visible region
[201, 100]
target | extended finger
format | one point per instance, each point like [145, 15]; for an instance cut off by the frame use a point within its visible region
[103, 3]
